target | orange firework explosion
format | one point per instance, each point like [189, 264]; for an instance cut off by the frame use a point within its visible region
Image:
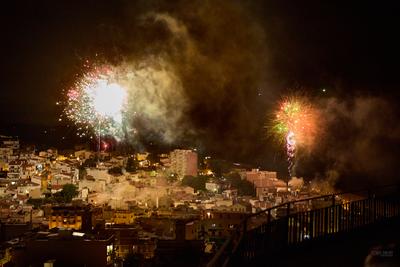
[297, 117]
[295, 124]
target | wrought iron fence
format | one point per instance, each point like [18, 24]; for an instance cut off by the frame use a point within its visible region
[269, 231]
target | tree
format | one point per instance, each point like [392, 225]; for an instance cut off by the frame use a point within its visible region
[153, 158]
[244, 187]
[247, 189]
[234, 178]
[131, 165]
[115, 171]
[165, 202]
[172, 178]
[68, 192]
[82, 172]
[59, 198]
[196, 182]
[36, 202]
[90, 163]
[219, 167]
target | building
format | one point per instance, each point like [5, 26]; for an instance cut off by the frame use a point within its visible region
[145, 246]
[181, 249]
[64, 248]
[219, 224]
[124, 217]
[130, 239]
[71, 217]
[15, 170]
[99, 174]
[83, 154]
[260, 178]
[183, 162]
[141, 156]
[213, 187]
[29, 189]
[9, 145]
[62, 179]
[13, 230]
[5, 255]
[92, 185]
[265, 182]
[230, 193]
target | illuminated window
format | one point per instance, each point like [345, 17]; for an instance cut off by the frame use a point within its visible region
[109, 252]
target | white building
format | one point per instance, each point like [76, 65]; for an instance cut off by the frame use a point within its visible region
[28, 170]
[8, 145]
[183, 162]
[5, 153]
[213, 187]
[15, 170]
[260, 178]
[92, 185]
[84, 154]
[28, 188]
[3, 190]
[230, 193]
[118, 161]
[99, 174]
[224, 202]
[61, 179]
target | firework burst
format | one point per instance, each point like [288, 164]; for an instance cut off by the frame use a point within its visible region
[295, 124]
[126, 101]
[96, 103]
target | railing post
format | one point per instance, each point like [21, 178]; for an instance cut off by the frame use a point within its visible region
[269, 216]
[383, 209]
[247, 243]
[363, 215]
[288, 226]
[371, 194]
[244, 225]
[326, 221]
[311, 225]
[340, 218]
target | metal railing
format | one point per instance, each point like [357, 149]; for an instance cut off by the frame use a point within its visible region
[274, 229]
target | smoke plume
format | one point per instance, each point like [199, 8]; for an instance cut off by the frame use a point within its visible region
[360, 142]
[200, 66]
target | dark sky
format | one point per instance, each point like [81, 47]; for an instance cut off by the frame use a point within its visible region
[348, 44]
[349, 47]
[333, 42]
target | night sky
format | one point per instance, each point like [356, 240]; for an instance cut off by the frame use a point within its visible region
[260, 50]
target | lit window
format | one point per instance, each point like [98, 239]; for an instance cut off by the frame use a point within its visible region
[109, 252]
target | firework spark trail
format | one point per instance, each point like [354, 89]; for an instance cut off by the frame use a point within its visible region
[125, 100]
[295, 124]
[290, 150]
[97, 101]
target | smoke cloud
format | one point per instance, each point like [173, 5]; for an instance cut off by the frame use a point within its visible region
[360, 142]
[117, 194]
[199, 67]
[296, 183]
[155, 101]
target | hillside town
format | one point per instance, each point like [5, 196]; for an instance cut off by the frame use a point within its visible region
[128, 209]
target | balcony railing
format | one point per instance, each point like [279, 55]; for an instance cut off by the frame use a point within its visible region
[288, 224]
